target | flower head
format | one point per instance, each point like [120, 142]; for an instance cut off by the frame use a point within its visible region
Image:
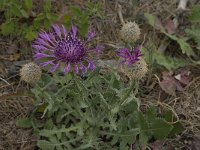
[30, 73]
[129, 57]
[65, 50]
[137, 71]
[130, 32]
[132, 64]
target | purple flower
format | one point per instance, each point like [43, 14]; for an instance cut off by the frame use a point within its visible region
[129, 57]
[61, 48]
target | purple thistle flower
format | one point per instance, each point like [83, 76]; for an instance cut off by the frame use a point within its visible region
[129, 57]
[61, 47]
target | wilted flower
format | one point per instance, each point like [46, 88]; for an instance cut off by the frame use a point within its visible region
[130, 32]
[30, 73]
[65, 50]
[132, 64]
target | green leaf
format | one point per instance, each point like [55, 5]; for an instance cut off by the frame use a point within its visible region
[151, 19]
[15, 10]
[28, 4]
[195, 34]
[154, 21]
[24, 13]
[31, 35]
[47, 23]
[76, 10]
[7, 27]
[177, 129]
[47, 6]
[160, 128]
[48, 133]
[185, 47]
[45, 145]
[170, 62]
[2, 3]
[195, 15]
[151, 114]
[24, 122]
[143, 139]
[177, 126]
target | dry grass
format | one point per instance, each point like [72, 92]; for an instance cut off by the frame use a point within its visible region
[13, 107]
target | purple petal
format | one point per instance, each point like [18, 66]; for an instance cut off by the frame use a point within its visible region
[83, 69]
[43, 42]
[40, 47]
[91, 66]
[74, 32]
[64, 31]
[76, 69]
[46, 63]
[57, 30]
[44, 35]
[67, 68]
[122, 62]
[53, 39]
[41, 55]
[99, 49]
[54, 67]
[91, 35]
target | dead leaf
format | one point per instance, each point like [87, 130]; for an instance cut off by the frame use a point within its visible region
[196, 143]
[170, 26]
[183, 77]
[169, 84]
[157, 145]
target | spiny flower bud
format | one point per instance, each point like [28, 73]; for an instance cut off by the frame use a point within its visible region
[130, 32]
[30, 73]
[137, 71]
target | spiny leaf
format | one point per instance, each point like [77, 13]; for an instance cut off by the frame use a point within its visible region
[7, 27]
[195, 34]
[170, 62]
[48, 133]
[154, 21]
[160, 128]
[28, 4]
[195, 15]
[45, 145]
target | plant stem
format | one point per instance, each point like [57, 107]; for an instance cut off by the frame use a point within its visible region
[123, 101]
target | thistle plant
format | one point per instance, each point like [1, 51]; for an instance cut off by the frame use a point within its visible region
[83, 109]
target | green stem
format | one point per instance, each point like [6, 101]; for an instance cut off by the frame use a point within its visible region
[76, 83]
[123, 101]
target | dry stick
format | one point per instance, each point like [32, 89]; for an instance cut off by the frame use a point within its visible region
[119, 10]
[182, 4]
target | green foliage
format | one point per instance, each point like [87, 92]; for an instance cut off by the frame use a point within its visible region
[195, 15]
[94, 9]
[169, 62]
[98, 112]
[18, 20]
[24, 122]
[185, 47]
[80, 18]
[195, 34]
